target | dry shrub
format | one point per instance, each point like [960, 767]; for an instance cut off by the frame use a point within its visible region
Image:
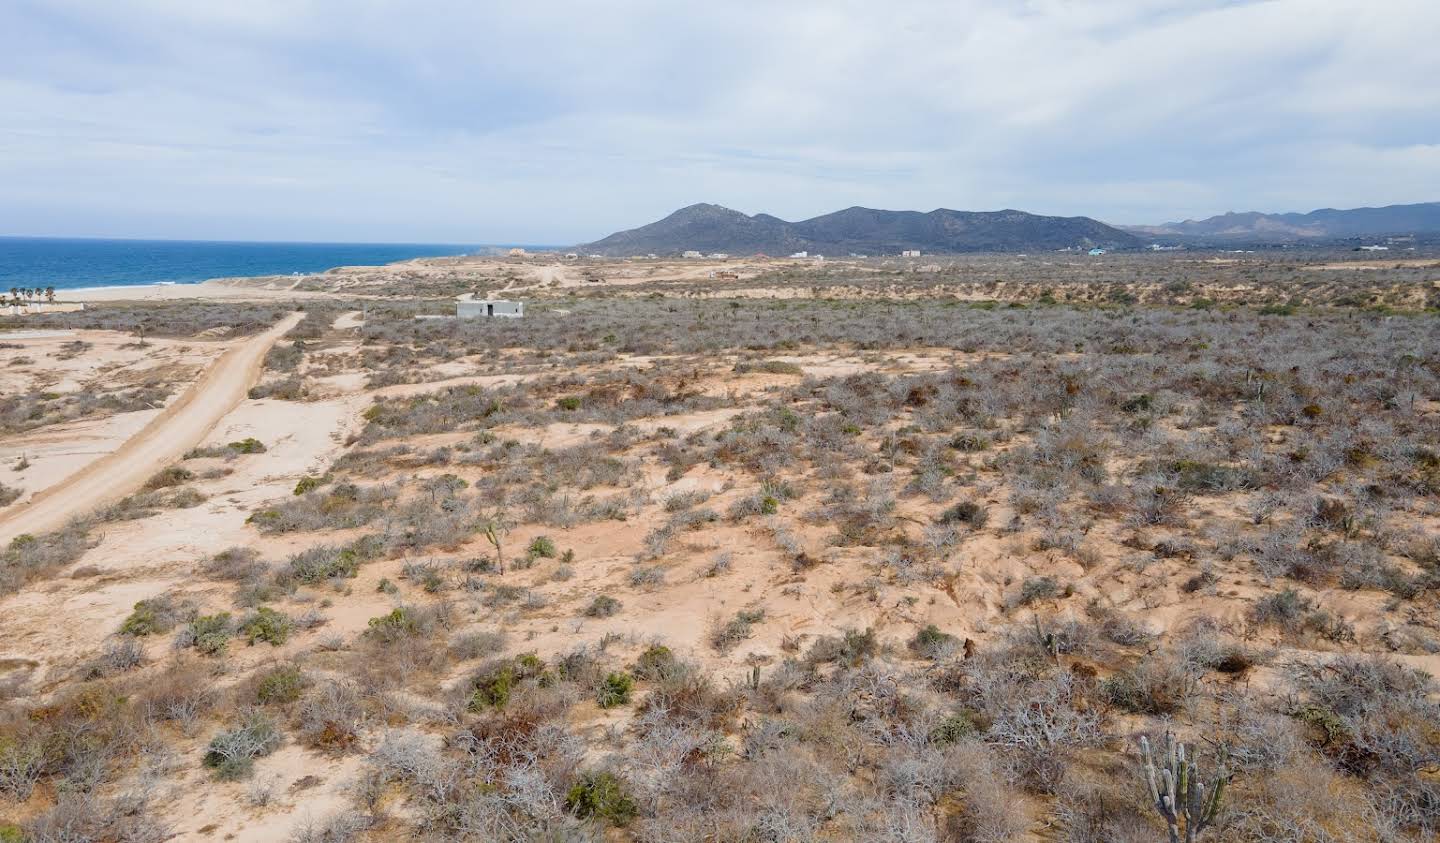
[330, 716]
[80, 817]
[984, 810]
[1304, 801]
[1158, 685]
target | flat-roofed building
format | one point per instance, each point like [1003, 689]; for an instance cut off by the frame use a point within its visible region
[475, 308]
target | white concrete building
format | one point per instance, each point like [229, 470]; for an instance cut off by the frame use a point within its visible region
[692, 254]
[910, 253]
[476, 308]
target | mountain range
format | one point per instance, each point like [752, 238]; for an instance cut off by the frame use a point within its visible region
[1326, 223]
[712, 228]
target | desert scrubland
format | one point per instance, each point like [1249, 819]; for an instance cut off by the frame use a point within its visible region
[856, 550]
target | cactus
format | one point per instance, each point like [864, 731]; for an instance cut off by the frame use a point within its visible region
[755, 677]
[494, 531]
[1177, 792]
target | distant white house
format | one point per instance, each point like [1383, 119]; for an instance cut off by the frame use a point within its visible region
[719, 256]
[692, 254]
[800, 255]
[1374, 248]
[910, 253]
[475, 308]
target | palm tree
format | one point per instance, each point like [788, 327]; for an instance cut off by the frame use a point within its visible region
[50, 294]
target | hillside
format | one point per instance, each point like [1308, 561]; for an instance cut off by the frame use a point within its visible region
[712, 228]
[1325, 223]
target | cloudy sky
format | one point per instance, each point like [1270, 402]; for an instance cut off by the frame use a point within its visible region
[557, 122]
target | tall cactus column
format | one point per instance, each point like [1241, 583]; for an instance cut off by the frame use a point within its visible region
[1188, 806]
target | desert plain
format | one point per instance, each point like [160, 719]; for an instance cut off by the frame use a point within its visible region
[743, 550]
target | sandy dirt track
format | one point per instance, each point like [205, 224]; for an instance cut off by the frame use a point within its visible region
[181, 427]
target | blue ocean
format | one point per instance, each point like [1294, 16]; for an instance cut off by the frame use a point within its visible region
[68, 263]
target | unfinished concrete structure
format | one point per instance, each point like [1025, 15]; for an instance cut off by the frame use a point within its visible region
[473, 308]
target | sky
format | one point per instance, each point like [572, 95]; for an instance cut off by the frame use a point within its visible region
[464, 121]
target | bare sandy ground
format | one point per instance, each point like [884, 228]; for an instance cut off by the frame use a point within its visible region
[179, 428]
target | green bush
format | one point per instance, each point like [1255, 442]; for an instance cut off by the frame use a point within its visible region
[325, 562]
[933, 644]
[614, 690]
[601, 795]
[1141, 403]
[232, 754]
[400, 623]
[280, 686]
[173, 476]
[267, 625]
[494, 683]
[543, 547]
[953, 729]
[603, 606]
[248, 445]
[309, 483]
[969, 442]
[150, 617]
[656, 662]
[210, 633]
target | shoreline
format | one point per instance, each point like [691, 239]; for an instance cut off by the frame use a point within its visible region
[261, 286]
[257, 286]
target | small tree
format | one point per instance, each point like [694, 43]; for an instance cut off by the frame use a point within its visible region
[495, 530]
[1177, 793]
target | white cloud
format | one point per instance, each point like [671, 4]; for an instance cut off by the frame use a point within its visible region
[561, 121]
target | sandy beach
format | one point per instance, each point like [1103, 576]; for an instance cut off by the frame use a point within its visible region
[225, 288]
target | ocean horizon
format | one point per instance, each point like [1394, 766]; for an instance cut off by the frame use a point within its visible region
[71, 262]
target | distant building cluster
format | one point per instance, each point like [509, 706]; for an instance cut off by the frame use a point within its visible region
[910, 253]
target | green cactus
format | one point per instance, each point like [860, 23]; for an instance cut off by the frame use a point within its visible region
[1188, 806]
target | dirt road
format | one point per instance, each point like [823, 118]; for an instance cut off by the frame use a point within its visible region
[182, 426]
